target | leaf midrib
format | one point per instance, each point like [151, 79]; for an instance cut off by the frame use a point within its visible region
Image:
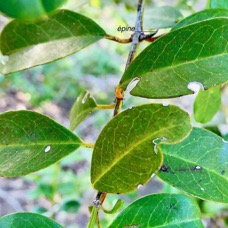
[132, 148]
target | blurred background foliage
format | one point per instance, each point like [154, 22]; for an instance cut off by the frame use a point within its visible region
[63, 190]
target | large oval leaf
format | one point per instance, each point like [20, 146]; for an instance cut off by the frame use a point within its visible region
[30, 141]
[32, 44]
[206, 104]
[194, 53]
[202, 16]
[198, 165]
[124, 155]
[160, 210]
[27, 220]
[29, 9]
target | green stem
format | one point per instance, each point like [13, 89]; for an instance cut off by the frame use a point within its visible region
[93, 218]
[101, 107]
[88, 145]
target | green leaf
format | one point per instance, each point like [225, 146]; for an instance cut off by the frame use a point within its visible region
[29, 9]
[31, 44]
[118, 205]
[194, 53]
[198, 165]
[207, 103]
[160, 210]
[30, 141]
[161, 17]
[81, 108]
[27, 220]
[125, 153]
[70, 206]
[219, 4]
[201, 16]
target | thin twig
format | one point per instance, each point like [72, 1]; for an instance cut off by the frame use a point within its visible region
[117, 39]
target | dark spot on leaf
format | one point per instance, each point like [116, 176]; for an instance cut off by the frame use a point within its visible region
[164, 168]
[171, 206]
[223, 172]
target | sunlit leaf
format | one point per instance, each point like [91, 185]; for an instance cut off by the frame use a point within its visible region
[30, 141]
[126, 155]
[27, 220]
[31, 44]
[202, 16]
[198, 165]
[207, 103]
[160, 210]
[194, 53]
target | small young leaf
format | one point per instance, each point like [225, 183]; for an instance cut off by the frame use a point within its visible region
[27, 220]
[198, 165]
[202, 16]
[30, 141]
[161, 17]
[219, 4]
[125, 154]
[194, 53]
[29, 9]
[70, 206]
[81, 108]
[118, 205]
[207, 103]
[32, 44]
[160, 210]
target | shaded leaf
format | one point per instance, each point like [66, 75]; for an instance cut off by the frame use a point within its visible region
[30, 141]
[32, 44]
[27, 220]
[125, 153]
[118, 205]
[206, 104]
[81, 108]
[202, 16]
[195, 53]
[70, 206]
[161, 17]
[219, 4]
[198, 165]
[29, 9]
[160, 210]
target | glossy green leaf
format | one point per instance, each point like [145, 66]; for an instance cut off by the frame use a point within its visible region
[31, 44]
[126, 155]
[202, 16]
[118, 205]
[160, 210]
[27, 220]
[198, 165]
[194, 53]
[161, 17]
[219, 4]
[207, 103]
[29, 9]
[30, 141]
[81, 108]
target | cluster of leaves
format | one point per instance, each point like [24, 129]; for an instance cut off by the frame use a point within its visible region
[139, 141]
